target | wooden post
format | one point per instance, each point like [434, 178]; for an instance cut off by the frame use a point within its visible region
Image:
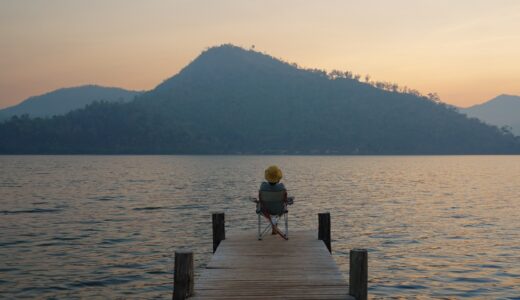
[183, 275]
[219, 229]
[324, 229]
[358, 282]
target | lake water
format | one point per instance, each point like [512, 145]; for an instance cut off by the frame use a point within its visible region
[108, 226]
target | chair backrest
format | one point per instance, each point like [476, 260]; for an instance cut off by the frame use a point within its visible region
[273, 202]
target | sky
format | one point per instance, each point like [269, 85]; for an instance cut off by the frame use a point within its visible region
[467, 51]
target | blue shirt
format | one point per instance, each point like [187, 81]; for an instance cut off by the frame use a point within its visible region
[267, 187]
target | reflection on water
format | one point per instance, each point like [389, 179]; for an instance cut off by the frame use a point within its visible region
[87, 226]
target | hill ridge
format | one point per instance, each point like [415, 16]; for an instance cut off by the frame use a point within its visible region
[63, 100]
[501, 111]
[230, 100]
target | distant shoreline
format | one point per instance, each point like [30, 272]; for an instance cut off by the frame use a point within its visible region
[295, 155]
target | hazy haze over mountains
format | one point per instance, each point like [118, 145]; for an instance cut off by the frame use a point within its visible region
[64, 100]
[503, 110]
[231, 100]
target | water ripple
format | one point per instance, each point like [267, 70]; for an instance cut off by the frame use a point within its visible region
[150, 208]
[106, 282]
[108, 226]
[30, 211]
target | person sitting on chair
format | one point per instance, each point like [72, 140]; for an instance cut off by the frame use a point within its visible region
[273, 175]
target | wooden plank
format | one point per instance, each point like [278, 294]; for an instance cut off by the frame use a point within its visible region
[245, 268]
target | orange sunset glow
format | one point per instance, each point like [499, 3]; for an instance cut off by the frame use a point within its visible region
[466, 51]
[259, 149]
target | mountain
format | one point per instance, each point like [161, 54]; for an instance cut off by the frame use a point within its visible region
[231, 100]
[62, 101]
[503, 110]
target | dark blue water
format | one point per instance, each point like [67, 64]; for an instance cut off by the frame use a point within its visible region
[107, 226]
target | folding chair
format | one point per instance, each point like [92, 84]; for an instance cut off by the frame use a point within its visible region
[273, 206]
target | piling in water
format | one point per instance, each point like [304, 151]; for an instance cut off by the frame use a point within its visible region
[219, 229]
[324, 229]
[358, 282]
[183, 275]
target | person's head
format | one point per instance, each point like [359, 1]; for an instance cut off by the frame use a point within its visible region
[273, 174]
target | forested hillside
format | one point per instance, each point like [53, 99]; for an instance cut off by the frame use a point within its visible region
[231, 100]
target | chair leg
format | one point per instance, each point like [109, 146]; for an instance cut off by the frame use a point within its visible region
[287, 225]
[259, 225]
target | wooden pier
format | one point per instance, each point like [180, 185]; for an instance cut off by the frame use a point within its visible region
[243, 267]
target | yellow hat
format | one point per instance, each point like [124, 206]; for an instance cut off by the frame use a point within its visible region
[273, 174]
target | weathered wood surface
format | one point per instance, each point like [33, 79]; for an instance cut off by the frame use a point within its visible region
[245, 268]
[358, 273]
[183, 277]
[218, 221]
[324, 229]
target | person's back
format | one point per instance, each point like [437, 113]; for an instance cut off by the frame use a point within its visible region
[273, 175]
[272, 187]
